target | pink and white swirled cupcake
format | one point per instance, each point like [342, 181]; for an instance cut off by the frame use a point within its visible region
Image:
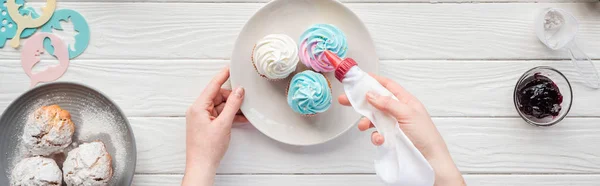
[316, 40]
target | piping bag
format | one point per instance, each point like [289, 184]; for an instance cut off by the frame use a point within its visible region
[397, 161]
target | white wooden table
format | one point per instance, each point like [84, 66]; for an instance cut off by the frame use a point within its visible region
[462, 59]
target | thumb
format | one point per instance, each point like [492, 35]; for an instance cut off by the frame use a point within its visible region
[233, 104]
[388, 104]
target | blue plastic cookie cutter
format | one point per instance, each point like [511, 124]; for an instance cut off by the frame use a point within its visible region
[82, 38]
[8, 27]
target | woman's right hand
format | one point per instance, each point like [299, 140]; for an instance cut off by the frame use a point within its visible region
[416, 123]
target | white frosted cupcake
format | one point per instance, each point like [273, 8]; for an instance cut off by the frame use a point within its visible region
[275, 56]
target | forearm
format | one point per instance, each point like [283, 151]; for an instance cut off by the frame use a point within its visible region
[446, 172]
[199, 175]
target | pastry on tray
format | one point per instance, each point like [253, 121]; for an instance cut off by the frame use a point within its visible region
[49, 131]
[89, 164]
[38, 171]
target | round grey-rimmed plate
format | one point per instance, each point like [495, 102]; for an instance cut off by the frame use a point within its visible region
[96, 118]
[265, 102]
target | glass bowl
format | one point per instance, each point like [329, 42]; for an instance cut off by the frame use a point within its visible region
[564, 87]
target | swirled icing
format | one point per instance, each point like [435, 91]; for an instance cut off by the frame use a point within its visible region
[309, 93]
[275, 56]
[316, 40]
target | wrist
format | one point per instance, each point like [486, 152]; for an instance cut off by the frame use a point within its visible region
[446, 172]
[199, 174]
[448, 175]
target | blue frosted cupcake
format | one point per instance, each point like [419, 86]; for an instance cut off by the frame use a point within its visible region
[309, 93]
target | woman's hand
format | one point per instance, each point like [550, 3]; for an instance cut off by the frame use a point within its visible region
[416, 123]
[208, 125]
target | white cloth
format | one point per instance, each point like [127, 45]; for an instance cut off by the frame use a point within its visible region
[398, 162]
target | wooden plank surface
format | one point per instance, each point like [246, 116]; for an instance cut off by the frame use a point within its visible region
[168, 87]
[460, 57]
[371, 180]
[478, 145]
[400, 30]
[345, 1]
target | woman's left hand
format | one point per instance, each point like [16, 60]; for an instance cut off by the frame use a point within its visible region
[208, 125]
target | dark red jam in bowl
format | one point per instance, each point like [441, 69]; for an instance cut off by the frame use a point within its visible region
[538, 96]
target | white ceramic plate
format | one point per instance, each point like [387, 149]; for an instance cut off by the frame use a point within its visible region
[265, 104]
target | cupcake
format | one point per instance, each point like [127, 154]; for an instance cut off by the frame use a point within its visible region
[316, 40]
[309, 93]
[275, 56]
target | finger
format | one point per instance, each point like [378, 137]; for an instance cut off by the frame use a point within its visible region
[219, 98]
[343, 99]
[240, 119]
[223, 95]
[233, 104]
[227, 85]
[393, 87]
[219, 108]
[241, 124]
[388, 104]
[364, 124]
[213, 88]
[377, 139]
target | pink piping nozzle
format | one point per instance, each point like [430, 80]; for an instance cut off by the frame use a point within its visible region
[334, 59]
